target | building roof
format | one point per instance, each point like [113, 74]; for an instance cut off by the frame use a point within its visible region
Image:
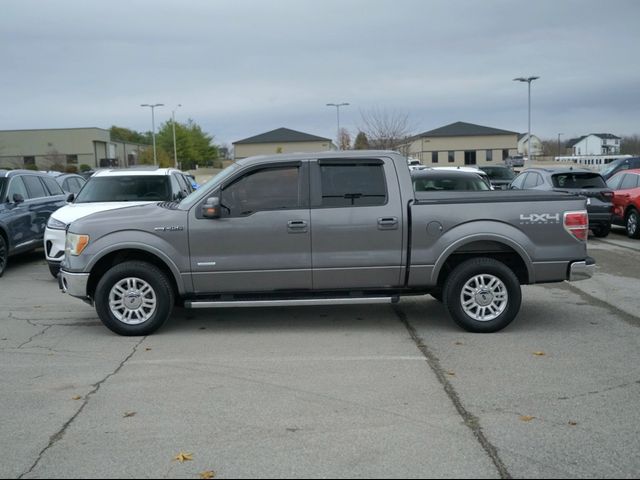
[462, 129]
[603, 136]
[282, 135]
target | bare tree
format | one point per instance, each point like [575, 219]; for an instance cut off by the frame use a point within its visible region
[630, 144]
[385, 129]
[344, 139]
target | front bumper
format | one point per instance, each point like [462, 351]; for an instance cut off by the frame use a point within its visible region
[54, 244]
[75, 284]
[582, 270]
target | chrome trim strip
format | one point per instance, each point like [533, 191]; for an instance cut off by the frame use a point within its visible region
[289, 303]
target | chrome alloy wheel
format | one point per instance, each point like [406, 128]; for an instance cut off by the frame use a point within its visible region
[132, 301]
[632, 223]
[484, 297]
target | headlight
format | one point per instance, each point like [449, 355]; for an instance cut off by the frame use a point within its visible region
[75, 244]
[56, 224]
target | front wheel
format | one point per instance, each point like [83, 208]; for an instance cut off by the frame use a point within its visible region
[632, 226]
[482, 295]
[134, 298]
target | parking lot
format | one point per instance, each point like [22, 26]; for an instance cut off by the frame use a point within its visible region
[362, 391]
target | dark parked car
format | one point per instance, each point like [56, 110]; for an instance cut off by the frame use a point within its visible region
[70, 182]
[619, 165]
[428, 179]
[500, 176]
[514, 161]
[27, 200]
[626, 201]
[574, 180]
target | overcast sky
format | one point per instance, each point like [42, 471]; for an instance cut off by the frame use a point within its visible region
[240, 68]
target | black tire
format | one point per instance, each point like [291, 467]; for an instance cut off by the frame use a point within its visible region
[601, 231]
[4, 255]
[54, 269]
[150, 285]
[632, 224]
[503, 299]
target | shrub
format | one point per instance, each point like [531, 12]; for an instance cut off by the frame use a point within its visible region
[71, 169]
[84, 167]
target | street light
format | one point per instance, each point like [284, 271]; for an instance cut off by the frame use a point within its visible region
[559, 143]
[528, 80]
[153, 127]
[337, 105]
[173, 123]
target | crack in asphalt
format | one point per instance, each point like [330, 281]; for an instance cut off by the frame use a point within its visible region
[56, 437]
[42, 332]
[471, 421]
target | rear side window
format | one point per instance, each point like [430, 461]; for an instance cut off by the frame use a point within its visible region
[630, 181]
[358, 185]
[52, 186]
[34, 186]
[578, 180]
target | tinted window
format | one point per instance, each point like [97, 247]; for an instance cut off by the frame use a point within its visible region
[352, 185]
[16, 185]
[268, 189]
[34, 186]
[52, 186]
[134, 188]
[498, 173]
[183, 184]
[428, 183]
[614, 182]
[629, 181]
[532, 180]
[519, 181]
[578, 180]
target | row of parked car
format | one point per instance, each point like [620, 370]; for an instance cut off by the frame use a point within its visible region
[613, 197]
[38, 206]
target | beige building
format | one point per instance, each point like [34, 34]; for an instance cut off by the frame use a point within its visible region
[66, 147]
[461, 144]
[281, 140]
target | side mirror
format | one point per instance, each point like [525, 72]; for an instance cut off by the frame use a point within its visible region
[17, 198]
[211, 208]
[71, 197]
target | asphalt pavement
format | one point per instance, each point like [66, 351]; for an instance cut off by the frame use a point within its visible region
[360, 391]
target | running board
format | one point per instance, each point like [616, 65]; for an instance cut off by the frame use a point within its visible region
[290, 303]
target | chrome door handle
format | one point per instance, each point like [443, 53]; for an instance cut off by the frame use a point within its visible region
[388, 223]
[297, 226]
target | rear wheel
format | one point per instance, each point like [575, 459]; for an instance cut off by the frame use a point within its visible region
[482, 295]
[134, 298]
[4, 255]
[633, 229]
[601, 231]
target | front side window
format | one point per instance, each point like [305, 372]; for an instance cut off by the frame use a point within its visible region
[16, 185]
[630, 181]
[34, 186]
[353, 185]
[614, 182]
[519, 181]
[533, 180]
[266, 189]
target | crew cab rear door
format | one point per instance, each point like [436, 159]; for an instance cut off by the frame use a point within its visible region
[357, 223]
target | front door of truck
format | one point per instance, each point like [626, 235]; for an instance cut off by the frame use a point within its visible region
[262, 240]
[357, 224]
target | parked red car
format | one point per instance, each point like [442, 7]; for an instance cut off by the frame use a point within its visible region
[626, 200]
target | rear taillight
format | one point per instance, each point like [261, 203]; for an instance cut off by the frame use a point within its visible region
[577, 224]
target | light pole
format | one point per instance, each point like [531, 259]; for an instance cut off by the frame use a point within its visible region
[528, 80]
[173, 123]
[153, 127]
[559, 143]
[338, 105]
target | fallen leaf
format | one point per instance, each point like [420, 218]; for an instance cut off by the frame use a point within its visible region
[128, 414]
[147, 349]
[526, 418]
[208, 474]
[459, 343]
[451, 373]
[572, 423]
[184, 457]
[77, 397]
[539, 354]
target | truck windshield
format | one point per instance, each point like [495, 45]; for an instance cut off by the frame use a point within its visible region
[499, 173]
[136, 188]
[579, 180]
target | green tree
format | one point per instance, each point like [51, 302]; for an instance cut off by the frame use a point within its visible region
[361, 142]
[193, 145]
[123, 134]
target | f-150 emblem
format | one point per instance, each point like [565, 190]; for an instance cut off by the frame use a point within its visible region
[539, 218]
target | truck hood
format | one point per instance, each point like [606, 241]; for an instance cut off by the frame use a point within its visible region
[75, 211]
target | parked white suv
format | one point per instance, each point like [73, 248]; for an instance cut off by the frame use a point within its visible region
[110, 189]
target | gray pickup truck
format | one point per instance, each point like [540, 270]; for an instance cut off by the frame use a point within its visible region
[324, 228]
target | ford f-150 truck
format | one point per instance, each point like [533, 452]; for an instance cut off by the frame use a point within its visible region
[324, 228]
